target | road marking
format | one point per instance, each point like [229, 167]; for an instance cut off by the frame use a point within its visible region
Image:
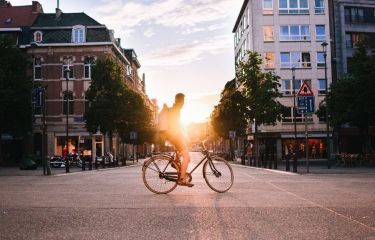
[314, 203]
[265, 169]
[95, 170]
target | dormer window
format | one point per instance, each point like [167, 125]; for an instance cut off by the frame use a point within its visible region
[78, 34]
[38, 36]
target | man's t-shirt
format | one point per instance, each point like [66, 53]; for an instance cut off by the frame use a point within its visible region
[174, 126]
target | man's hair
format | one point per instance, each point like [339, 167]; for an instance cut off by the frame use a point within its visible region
[179, 97]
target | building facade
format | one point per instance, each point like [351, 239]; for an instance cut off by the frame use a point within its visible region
[352, 21]
[288, 34]
[64, 47]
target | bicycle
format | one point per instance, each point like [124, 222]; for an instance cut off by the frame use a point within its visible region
[161, 172]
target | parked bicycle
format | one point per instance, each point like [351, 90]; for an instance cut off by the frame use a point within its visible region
[161, 172]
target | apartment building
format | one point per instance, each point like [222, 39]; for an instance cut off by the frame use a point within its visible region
[352, 21]
[288, 34]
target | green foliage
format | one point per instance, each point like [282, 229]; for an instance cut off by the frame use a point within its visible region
[352, 99]
[229, 115]
[114, 107]
[138, 117]
[15, 90]
[260, 90]
[105, 96]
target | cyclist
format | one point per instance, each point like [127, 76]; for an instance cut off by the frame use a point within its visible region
[176, 137]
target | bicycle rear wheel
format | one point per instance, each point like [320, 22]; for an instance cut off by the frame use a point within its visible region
[160, 174]
[218, 174]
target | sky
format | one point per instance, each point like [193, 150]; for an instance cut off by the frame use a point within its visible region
[183, 45]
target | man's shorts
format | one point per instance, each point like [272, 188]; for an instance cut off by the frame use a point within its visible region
[177, 139]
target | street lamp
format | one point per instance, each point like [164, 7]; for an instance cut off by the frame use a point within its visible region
[324, 45]
[67, 72]
[294, 120]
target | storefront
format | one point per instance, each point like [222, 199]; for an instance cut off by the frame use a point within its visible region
[80, 143]
[317, 147]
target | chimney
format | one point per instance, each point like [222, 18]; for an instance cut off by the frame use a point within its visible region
[58, 12]
[36, 7]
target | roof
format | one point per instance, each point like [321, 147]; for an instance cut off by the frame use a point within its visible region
[19, 16]
[65, 20]
[243, 8]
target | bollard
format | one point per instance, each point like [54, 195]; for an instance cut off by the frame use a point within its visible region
[274, 161]
[96, 163]
[328, 162]
[48, 162]
[90, 164]
[243, 160]
[270, 161]
[103, 162]
[265, 159]
[294, 162]
[67, 164]
[287, 163]
[83, 164]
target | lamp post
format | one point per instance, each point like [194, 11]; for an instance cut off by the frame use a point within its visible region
[67, 72]
[294, 120]
[324, 45]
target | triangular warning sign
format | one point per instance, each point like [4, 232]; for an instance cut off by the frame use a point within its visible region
[305, 90]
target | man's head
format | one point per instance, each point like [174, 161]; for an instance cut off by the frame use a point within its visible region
[179, 99]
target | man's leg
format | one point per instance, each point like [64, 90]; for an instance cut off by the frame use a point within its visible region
[185, 162]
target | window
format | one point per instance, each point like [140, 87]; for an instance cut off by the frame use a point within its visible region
[78, 34]
[38, 36]
[357, 15]
[269, 60]
[67, 65]
[288, 116]
[357, 38]
[319, 6]
[87, 64]
[295, 59]
[321, 86]
[293, 7]
[320, 32]
[268, 33]
[286, 87]
[348, 40]
[320, 59]
[267, 6]
[68, 103]
[294, 33]
[37, 68]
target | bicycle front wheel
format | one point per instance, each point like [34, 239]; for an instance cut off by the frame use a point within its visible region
[160, 174]
[218, 174]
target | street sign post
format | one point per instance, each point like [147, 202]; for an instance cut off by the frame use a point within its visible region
[37, 96]
[133, 136]
[306, 105]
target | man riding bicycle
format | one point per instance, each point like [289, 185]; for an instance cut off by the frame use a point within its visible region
[176, 137]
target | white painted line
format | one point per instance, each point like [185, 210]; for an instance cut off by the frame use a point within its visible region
[349, 219]
[266, 169]
[95, 170]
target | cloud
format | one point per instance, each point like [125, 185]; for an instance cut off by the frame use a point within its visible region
[185, 53]
[168, 13]
[149, 33]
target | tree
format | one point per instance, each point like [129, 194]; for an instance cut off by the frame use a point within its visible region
[113, 107]
[229, 114]
[105, 96]
[15, 91]
[351, 99]
[138, 119]
[260, 90]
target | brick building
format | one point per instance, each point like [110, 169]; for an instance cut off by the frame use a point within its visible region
[58, 42]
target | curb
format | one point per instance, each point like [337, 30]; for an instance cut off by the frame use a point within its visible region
[266, 169]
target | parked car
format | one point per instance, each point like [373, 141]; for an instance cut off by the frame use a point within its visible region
[27, 164]
[57, 162]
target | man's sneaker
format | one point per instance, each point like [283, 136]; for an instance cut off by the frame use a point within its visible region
[182, 182]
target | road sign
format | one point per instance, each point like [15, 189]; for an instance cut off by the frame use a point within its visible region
[37, 95]
[305, 90]
[133, 135]
[306, 104]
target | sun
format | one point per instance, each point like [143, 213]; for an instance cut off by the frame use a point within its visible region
[194, 113]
